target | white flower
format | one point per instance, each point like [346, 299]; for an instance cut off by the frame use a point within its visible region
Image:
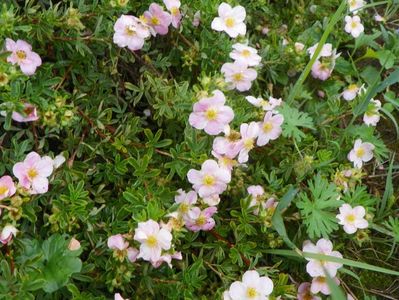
[371, 117]
[130, 32]
[352, 218]
[325, 51]
[355, 5]
[58, 161]
[361, 152]
[245, 54]
[251, 287]
[7, 234]
[230, 20]
[350, 92]
[270, 128]
[153, 240]
[299, 47]
[315, 267]
[353, 26]
[238, 75]
[268, 105]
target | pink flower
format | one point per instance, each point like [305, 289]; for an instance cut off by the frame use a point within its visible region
[197, 220]
[304, 292]
[238, 75]
[351, 92]
[212, 200]
[211, 114]
[186, 200]
[361, 152]
[197, 19]
[319, 284]
[7, 187]
[32, 173]
[23, 55]
[173, 6]
[315, 267]
[211, 179]
[252, 286]
[249, 133]
[130, 32]
[74, 245]
[7, 234]
[167, 258]
[245, 54]
[321, 71]
[229, 145]
[230, 20]
[352, 218]
[268, 105]
[29, 114]
[158, 19]
[256, 191]
[225, 161]
[132, 254]
[270, 129]
[153, 240]
[117, 242]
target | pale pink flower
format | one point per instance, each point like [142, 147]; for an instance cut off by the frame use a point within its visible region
[316, 267]
[229, 145]
[304, 292]
[270, 128]
[158, 19]
[350, 92]
[326, 50]
[319, 284]
[211, 179]
[167, 258]
[354, 26]
[23, 55]
[153, 240]
[256, 192]
[299, 47]
[29, 114]
[225, 161]
[356, 5]
[197, 19]
[174, 7]
[211, 114]
[245, 54]
[58, 161]
[249, 133]
[372, 116]
[185, 201]
[32, 173]
[198, 219]
[7, 187]
[379, 18]
[321, 70]
[74, 245]
[361, 152]
[7, 233]
[267, 105]
[238, 76]
[117, 242]
[352, 218]
[251, 287]
[230, 20]
[130, 32]
[212, 200]
[132, 254]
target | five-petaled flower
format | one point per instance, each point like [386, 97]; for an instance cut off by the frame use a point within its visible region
[238, 76]
[198, 219]
[249, 133]
[352, 218]
[158, 19]
[245, 54]
[270, 128]
[361, 152]
[230, 20]
[130, 32]
[251, 287]
[22, 54]
[354, 26]
[7, 187]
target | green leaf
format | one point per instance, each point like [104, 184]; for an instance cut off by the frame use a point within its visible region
[293, 119]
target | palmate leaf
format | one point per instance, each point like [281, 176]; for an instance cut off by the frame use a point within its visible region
[293, 119]
[319, 210]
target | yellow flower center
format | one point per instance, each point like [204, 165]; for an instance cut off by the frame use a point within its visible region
[3, 190]
[200, 221]
[238, 77]
[32, 173]
[211, 114]
[353, 25]
[152, 241]
[130, 30]
[246, 53]
[229, 22]
[209, 180]
[352, 87]
[21, 54]
[267, 127]
[233, 136]
[251, 292]
[249, 144]
[174, 11]
[350, 218]
[360, 152]
[183, 208]
[155, 21]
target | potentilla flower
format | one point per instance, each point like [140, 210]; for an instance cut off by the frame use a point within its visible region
[117, 242]
[251, 287]
[197, 19]
[270, 128]
[326, 51]
[32, 173]
[379, 18]
[225, 161]
[319, 284]
[23, 56]
[28, 114]
[185, 201]
[361, 152]
[132, 254]
[249, 133]
[7, 233]
[198, 219]
[174, 7]
[130, 32]
[74, 245]
[350, 92]
[352, 218]
[153, 240]
[167, 258]
[58, 161]
[238, 76]
[211, 200]
[229, 145]
[354, 26]
[372, 116]
[158, 19]
[245, 54]
[211, 114]
[304, 292]
[230, 20]
[267, 105]
[210, 180]
[355, 5]
[7, 187]
[299, 47]
[316, 267]
[256, 192]
[321, 70]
